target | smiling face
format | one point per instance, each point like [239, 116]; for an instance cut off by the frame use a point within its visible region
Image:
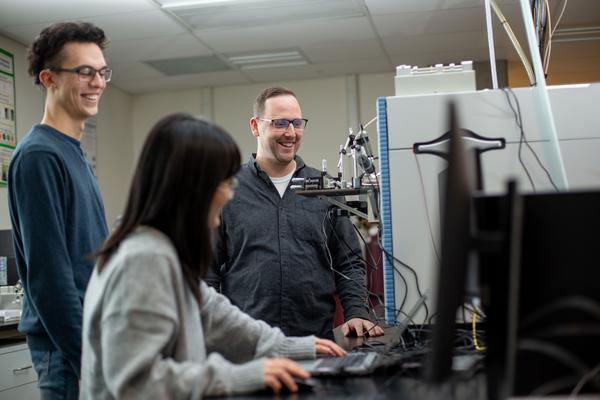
[277, 147]
[68, 95]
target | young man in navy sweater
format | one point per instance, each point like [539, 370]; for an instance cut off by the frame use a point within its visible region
[55, 205]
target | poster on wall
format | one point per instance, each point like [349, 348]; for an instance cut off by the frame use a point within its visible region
[8, 120]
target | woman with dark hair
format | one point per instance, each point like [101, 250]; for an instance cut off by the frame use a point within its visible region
[152, 328]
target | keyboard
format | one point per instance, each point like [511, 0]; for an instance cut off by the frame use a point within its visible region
[351, 363]
[350, 360]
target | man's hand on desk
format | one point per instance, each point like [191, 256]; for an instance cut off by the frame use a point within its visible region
[324, 346]
[360, 327]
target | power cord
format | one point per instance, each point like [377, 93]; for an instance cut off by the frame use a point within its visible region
[343, 275]
[422, 182]
[523, 139]
[414, 273]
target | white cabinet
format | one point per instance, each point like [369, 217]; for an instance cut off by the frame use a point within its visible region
[18, 380]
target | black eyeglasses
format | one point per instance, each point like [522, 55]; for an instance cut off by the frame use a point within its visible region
[282, 123]
[87, 73]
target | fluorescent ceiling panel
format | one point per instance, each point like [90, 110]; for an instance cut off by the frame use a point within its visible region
[219, 15]
[271, 59]
[196, 3]
[576, 34]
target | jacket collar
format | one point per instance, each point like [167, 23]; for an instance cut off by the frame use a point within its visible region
[257, 170]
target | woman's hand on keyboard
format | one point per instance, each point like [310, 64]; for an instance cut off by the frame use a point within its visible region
[324, 346]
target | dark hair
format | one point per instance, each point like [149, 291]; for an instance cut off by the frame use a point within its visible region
[183, 162]
[259, 103]
[45, 51]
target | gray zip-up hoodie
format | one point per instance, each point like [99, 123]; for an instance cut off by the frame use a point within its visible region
[145, 337]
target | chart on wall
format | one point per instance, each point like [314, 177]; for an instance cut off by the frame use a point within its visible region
[8, 121]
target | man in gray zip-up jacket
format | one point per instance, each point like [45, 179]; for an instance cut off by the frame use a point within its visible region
[279, 256]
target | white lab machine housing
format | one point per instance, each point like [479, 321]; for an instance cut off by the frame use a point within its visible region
[410, 183]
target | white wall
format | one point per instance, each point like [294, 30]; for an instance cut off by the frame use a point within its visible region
[149, 108]
[327, 103]
[114, 143]
[372, 86]
[113, 150]
[29, 109]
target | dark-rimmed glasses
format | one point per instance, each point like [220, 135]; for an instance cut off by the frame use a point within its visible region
[86, 73]
[282, 123]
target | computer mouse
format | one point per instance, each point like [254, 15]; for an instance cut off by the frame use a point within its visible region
[304, 385]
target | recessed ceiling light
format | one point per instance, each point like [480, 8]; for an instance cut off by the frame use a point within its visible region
[219, 14]
[193, 3]
[274, 65]
[576, 34]
[272, 59]
[254, 58]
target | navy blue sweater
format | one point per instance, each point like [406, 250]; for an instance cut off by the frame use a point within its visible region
[58, 221]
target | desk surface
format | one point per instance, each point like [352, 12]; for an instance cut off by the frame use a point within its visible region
[394, 383]
[390, 383]
[382, 386]
[9, 332]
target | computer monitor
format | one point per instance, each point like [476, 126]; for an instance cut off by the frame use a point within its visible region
[455, 248]
[543, 307]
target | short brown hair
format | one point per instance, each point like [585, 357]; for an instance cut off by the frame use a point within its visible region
[259, 103]
[45, 51]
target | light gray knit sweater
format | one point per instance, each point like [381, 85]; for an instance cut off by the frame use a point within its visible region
[145, 337]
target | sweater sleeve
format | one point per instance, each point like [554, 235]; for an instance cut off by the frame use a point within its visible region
[140, 324]
[39, 199]
[240, 338]
[134, 367]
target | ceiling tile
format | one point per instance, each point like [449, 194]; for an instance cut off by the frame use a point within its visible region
[27, 12]
[343, 50]
[288, 34]
[435, 43]
[172, 46]
[431, 22]
[382, 7]
[123, 72]
[249, 13]
[183, 82]
[126, 26]
[321, 70]
[24, 34]
[135, 25]
[580, 12]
